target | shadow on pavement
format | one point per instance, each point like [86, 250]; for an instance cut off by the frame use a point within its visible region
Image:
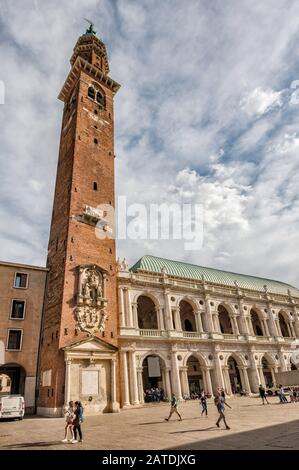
[279, 436]
[34, 444]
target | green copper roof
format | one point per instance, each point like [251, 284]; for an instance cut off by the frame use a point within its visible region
[191, 271]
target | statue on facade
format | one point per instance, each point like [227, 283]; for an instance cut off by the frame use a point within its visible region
[90, 311]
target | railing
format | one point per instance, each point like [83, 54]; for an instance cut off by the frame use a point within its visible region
[229, 337]
[150, 333]
[191, 334]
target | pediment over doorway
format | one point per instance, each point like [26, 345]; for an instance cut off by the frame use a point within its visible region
[91, 344]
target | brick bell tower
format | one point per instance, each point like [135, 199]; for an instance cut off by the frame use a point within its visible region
[78, 353]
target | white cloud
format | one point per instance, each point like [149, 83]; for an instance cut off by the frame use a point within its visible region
[194, 80]
[260, 101]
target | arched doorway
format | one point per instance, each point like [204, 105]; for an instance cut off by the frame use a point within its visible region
[13, 375]
[267, 373]
[153, 378]
[187, 316]
[234, 375]
[283, 325]
[256, 323]
[147, 314]
[195, 376]
[224, 321]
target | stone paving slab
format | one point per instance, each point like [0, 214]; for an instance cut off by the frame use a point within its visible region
[253, 426]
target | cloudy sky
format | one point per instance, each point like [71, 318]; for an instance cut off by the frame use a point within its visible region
[208, 114]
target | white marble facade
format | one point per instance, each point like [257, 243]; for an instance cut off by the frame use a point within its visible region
[221, 335]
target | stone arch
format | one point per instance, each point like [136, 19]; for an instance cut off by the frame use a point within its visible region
[155, 377]
[267, 369]
[256, 322]
[187, 316]
[233, 373]
[284, 323]
[147, 293]
[201, 359]
[224, 314]
[146, 313]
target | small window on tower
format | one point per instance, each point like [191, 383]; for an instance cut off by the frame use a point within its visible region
[91, 93]
[101, 99]
[95, 141]
[95, 186]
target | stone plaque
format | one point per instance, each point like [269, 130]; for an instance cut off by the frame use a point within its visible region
[46, 378]
[90, 382]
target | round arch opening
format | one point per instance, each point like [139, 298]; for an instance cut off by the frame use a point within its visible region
[152, 378]
[187, 316]
[147, 314]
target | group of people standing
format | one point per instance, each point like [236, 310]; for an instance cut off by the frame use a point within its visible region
[74, 418]
[219, 402]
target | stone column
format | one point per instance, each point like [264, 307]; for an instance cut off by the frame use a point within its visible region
[197, 321]
[266, 327]
[282, 361]
[278, 327]
[122, 319]
[185, 382]
[114, 406]
[176, 384]
[254, 373]
[228, 387]
[67, 387]
[160, 319]
[208, 313]
[177, 319]
[207, 380]
[292, 330]
[218, 371]
[126, 397]
[127, 306]
[235, 325]
[134, 378]
[245, 382]
[168, 312]
[134, 315]
[273, 375]
[261, 375]
[140, 385]
[167, 383]
[289, 329]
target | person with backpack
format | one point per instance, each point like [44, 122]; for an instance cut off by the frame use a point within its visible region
[78, 420]
[219, 401]
[173, 408]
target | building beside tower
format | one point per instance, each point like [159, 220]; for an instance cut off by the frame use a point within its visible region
[103, 334]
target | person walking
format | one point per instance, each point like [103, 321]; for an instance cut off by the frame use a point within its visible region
[283, 398]
[204, 403]
[173, 408]
[219, 403]
[263, 396]
[69, 418]
[78, 420]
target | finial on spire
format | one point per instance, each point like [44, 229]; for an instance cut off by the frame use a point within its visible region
[90, 30]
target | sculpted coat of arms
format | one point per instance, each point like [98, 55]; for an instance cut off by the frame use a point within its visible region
[90, 311]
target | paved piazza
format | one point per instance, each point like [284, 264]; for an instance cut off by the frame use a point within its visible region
[253, 426]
